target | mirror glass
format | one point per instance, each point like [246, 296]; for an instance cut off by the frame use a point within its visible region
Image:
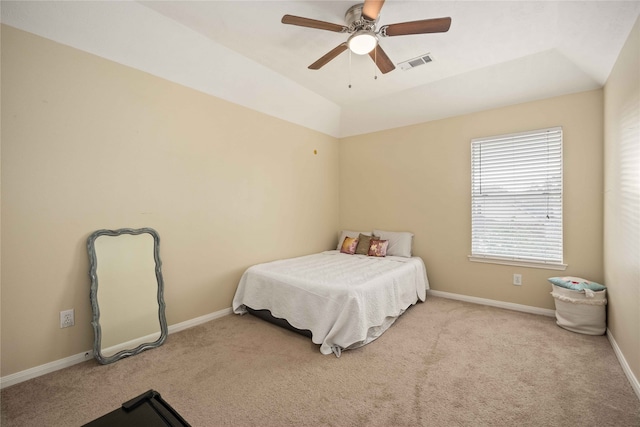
[126, 292]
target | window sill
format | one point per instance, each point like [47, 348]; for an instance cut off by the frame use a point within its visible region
[518, 263]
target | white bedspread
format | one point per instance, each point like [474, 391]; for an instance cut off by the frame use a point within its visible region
[346, 301]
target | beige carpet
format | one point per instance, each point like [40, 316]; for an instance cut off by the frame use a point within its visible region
[444, 363]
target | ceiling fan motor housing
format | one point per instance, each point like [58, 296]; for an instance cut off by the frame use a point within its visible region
[356, 22]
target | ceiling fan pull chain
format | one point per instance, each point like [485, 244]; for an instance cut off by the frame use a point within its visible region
[349, 69]
[375, 63]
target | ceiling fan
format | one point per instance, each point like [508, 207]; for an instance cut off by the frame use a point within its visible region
[361, 20]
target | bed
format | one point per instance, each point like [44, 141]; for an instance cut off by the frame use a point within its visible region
[344, 300]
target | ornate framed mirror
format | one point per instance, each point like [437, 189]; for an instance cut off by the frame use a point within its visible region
[127, 292]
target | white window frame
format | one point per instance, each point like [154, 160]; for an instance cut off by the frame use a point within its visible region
[505, 205]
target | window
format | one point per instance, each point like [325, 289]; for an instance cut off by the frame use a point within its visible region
[516, 199]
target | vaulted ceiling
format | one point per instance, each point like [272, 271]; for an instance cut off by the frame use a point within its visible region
[496, 53]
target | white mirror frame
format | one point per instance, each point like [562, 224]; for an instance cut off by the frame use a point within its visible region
[93, 261]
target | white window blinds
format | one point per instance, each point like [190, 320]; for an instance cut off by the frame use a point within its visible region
[516, 196]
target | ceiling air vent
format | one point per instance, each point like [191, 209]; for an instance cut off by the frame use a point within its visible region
[416, 62]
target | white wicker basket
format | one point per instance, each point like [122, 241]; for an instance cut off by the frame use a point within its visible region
[584, 312]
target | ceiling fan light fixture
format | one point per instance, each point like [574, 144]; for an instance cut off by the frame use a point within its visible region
[362, 42]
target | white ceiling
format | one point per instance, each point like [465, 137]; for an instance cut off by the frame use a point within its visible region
[495, 54]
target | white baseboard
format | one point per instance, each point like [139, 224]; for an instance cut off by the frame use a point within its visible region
[494, 303]
[37, 371]
[56, 365]
[199, 320]
[635, 384]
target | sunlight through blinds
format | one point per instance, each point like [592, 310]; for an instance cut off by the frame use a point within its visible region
[516, 196]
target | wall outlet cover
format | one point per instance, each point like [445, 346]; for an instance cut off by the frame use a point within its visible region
[67, 318]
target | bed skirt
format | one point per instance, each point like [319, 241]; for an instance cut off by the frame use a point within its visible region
[266, 315]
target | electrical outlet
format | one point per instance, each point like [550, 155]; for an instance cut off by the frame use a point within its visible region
[67, 318]
[517, 279]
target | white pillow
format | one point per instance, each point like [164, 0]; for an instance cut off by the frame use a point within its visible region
[399, 242]
[347, 233]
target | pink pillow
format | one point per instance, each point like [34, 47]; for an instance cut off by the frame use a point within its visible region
[349, 245]
[378, 248]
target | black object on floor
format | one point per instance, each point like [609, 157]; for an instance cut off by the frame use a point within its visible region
[146, 410]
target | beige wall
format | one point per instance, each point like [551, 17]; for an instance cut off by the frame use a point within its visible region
[90, 144]
[622, 200]
[417, 179]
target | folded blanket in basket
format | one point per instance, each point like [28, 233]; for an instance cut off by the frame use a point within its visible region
[576, 283]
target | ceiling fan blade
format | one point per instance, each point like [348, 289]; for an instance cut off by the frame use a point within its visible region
[371, 9]
[437, 25]
[312, 23]
[382, 60]
[328, 57]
